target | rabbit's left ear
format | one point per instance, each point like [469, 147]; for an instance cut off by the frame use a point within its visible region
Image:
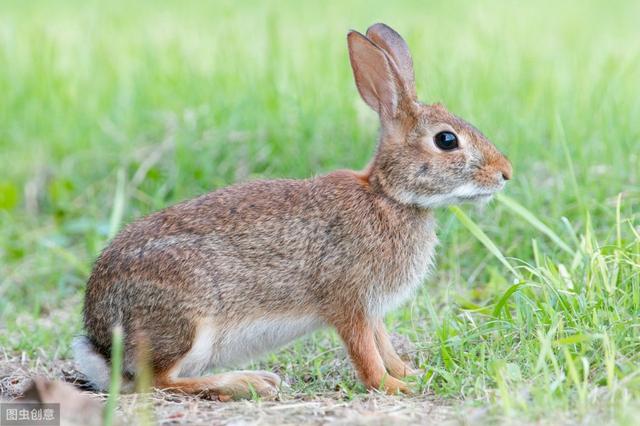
[377, 78]
[395, 46]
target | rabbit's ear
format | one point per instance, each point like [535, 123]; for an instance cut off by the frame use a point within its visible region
[377, 77]
[395, 46]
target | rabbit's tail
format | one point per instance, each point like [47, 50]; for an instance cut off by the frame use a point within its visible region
[90, 363]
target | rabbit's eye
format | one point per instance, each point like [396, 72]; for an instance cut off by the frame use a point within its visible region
[446, 141]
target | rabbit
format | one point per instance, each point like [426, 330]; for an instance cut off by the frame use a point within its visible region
[223, 278]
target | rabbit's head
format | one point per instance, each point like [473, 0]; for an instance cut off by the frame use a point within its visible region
[426, 156]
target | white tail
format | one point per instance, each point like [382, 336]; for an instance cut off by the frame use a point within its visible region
[91, 364]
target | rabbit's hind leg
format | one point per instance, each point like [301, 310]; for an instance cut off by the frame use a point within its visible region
[224, 386]
[184, 374]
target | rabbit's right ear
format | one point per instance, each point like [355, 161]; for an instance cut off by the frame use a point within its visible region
[395, 46]
[377, 77]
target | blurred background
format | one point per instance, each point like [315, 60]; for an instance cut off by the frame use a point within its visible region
[110, 110]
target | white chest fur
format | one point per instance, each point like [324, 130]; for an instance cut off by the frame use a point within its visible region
[400, 284]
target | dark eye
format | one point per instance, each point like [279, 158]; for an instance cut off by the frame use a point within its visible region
[446, 141]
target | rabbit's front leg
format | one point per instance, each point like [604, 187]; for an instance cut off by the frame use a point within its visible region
[392, 361]
[357, 333]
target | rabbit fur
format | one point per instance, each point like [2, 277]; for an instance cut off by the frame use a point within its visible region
[223, 278]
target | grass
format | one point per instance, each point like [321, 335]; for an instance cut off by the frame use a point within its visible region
[111, 110]
[116, 377]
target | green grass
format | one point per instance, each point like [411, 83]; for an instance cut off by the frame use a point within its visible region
[109, 111]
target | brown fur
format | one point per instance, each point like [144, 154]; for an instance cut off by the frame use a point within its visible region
[343, 248]
[392, 362]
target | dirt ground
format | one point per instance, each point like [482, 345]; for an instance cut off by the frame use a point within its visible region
[16, 378]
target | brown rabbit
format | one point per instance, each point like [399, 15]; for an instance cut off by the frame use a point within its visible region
[227, 276]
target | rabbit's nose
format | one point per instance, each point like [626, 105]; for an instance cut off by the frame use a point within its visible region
[505, 169]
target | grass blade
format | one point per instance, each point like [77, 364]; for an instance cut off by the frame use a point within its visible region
[618, 222]
[117, 211]
[524, 213]
[116, 376]
[505, 297]
[561, 135]
[483, 238]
